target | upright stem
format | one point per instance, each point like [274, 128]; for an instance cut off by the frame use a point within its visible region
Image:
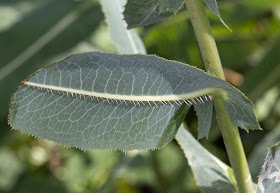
[213, 65]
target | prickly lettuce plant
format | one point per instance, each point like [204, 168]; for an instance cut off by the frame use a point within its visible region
[131, 100]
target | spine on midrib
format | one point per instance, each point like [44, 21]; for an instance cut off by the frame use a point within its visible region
[199, 95]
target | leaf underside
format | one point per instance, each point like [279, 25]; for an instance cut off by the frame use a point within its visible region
[269, 179]
[106, 101]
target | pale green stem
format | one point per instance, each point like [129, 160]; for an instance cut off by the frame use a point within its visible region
[213, 65]
[205, 38]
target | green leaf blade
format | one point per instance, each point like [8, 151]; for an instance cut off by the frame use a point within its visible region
[212, 4]
[106, 101]
[88, 124]
[144, 12]
[240, 110]
[170, 5]
[210, 173]
[204, 113]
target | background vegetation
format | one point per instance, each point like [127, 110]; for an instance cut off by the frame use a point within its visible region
[34, 34]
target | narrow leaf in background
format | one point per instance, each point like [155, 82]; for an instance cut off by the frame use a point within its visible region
[127, 41]
[43, 36]
[212, 175]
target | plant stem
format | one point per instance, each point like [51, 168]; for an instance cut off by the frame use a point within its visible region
[205, 37]
[213, 65]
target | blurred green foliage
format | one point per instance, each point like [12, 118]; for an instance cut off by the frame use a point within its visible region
[36, 33]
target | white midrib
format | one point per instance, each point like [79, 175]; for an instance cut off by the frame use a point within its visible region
[144, 98]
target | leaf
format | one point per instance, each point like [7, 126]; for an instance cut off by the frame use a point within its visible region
[212, 4]
[210, 173]
[269, 179]
[43, 36]
[255, 159]
[170, 5]
[204, 115]
[144, 12]
[127, 41]
[117, 101]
